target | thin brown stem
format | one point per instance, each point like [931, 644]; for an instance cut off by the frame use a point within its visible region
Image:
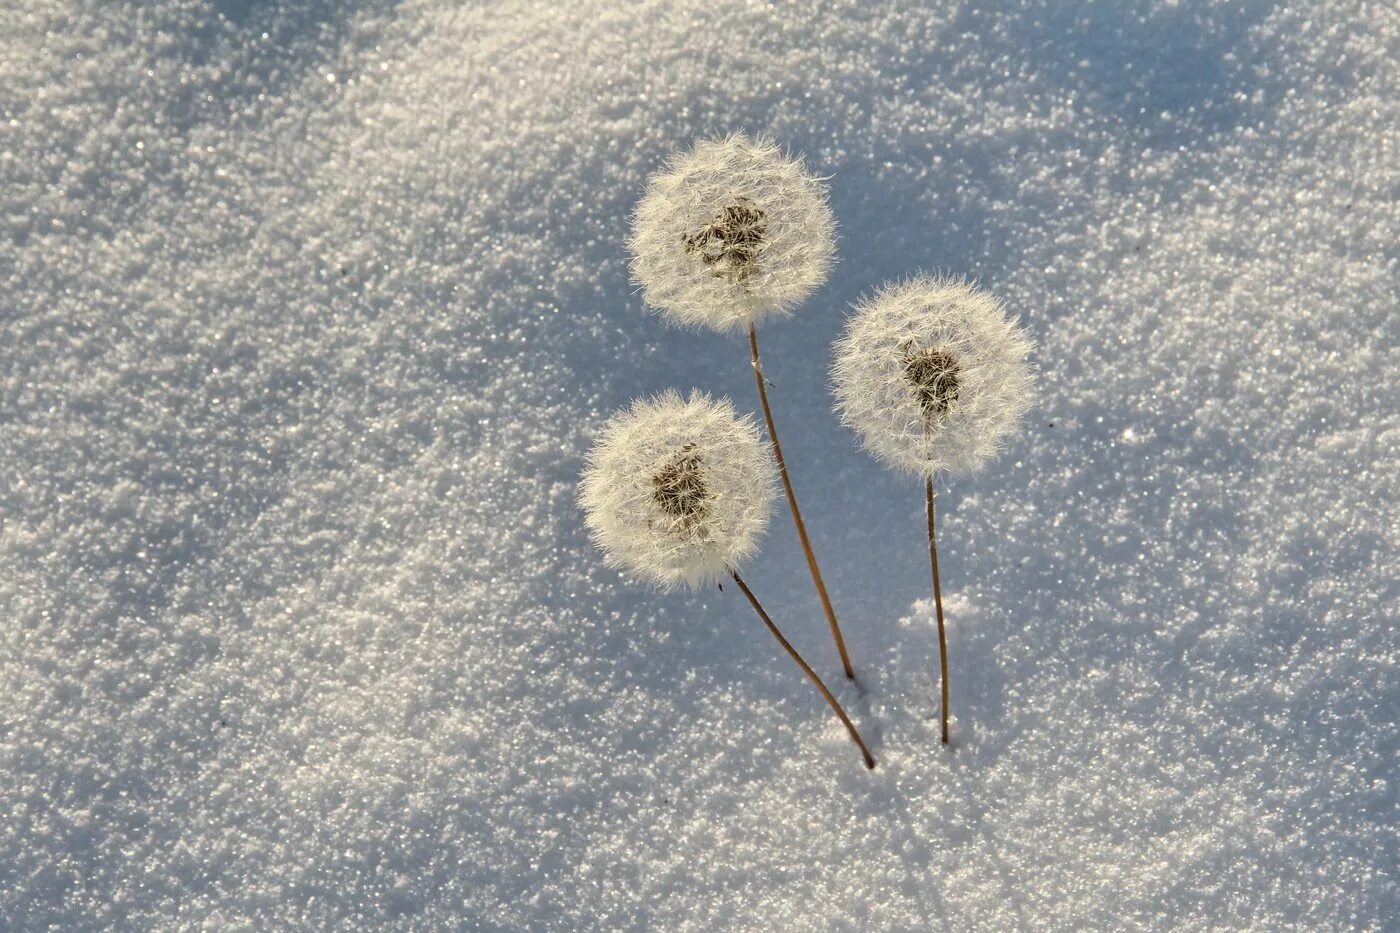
[938, 606]
[796, 512]
[806, 669]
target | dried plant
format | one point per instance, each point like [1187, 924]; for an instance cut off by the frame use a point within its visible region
[727, 234]
[678, 492]
[932, 375]
[730, 233]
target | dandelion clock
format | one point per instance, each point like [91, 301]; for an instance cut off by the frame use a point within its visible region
[932, 375]
[732, 233]
[677, 492]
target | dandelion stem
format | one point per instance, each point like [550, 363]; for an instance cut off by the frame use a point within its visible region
[806, 669]
[938, 607]
[796, 512]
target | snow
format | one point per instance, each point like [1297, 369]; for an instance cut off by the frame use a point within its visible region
[312, 310]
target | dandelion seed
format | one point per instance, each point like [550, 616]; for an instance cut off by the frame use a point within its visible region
[679, 489]
[932, 375]
[678, 492]
[729, 234]
[731, 244]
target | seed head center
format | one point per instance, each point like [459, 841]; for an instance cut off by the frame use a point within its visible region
[679, 490]
[733, 240]
[935, 376]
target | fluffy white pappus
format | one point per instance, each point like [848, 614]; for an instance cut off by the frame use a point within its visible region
[932, 375]
[731, 232]
[678, 491]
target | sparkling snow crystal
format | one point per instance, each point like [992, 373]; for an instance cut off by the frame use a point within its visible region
[300, 622]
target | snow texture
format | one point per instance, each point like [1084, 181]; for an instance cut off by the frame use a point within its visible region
[311, 311]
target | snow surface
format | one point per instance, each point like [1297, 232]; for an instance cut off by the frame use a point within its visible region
[311, 309]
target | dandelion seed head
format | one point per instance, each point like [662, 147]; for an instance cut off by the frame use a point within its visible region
[932, 375]
[731, 232]
[677, 491]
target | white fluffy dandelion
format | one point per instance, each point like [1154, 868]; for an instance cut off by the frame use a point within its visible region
[932, 375]
[678, 492]
[731, 232]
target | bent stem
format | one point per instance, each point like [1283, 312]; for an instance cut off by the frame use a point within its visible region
[806, 669]
[796, 512]
[938, 607]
